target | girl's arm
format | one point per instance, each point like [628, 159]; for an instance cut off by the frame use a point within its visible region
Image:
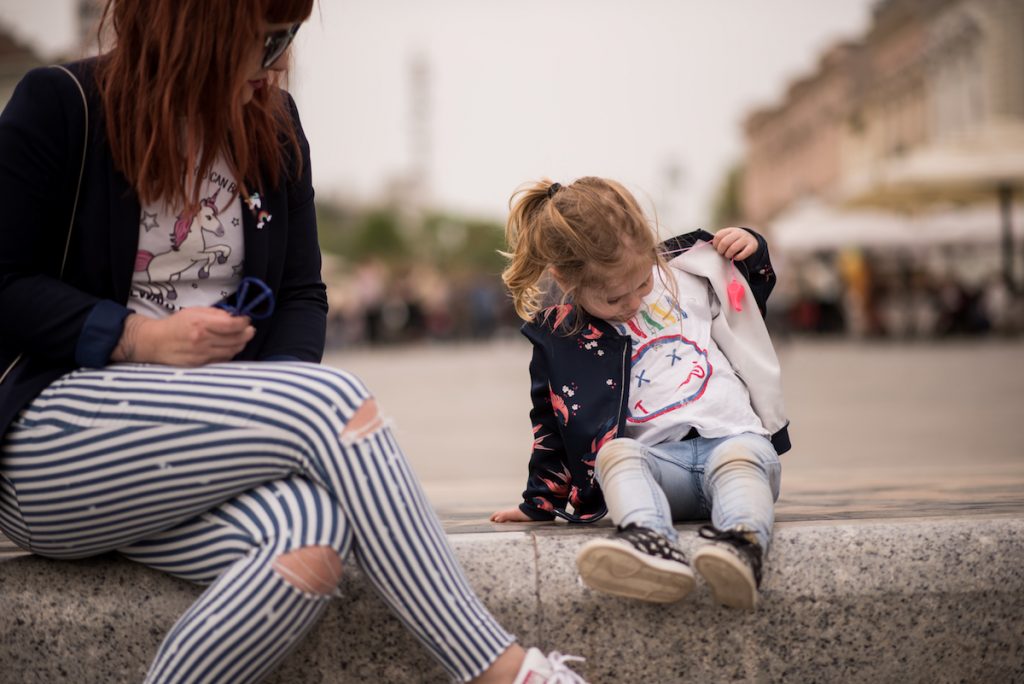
[750, 252]
[547, 486]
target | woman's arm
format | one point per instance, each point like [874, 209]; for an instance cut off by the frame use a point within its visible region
[298, 327]
[42, 131]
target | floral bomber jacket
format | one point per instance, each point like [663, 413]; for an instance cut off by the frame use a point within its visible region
[579, 391]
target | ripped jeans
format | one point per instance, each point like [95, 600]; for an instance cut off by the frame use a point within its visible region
[256, 479]
[733, 481]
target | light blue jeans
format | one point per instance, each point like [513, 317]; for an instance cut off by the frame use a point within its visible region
[733, 481]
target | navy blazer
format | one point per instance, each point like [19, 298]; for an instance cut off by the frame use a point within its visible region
[50, 325]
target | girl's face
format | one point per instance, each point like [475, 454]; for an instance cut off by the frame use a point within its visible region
[258, 75]
[620, 296]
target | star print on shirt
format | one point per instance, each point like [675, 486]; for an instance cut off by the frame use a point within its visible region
[148, 221]
[235, 222]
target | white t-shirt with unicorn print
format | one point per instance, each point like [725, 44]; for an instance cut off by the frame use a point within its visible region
[190, 260]
[679, 378]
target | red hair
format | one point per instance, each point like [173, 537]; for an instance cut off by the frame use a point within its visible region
[185, 61]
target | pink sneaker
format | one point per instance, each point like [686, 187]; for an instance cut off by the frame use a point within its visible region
[538, 668]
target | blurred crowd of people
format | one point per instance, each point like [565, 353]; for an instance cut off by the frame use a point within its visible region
[376, 304]
[887, 294]
[896, 294]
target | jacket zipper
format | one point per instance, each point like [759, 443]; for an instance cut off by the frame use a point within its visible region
[623, 381]
[9, 368]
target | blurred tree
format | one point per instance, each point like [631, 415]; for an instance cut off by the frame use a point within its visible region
[457, 245]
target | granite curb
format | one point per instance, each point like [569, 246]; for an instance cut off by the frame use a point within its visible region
[929, 600]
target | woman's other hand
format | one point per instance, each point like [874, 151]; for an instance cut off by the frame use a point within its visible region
[510, 515]
[192, 337]
[735, 243]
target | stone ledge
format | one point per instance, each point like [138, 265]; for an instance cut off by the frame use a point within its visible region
[932, 600]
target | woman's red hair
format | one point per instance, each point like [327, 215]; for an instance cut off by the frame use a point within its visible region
[172, 94]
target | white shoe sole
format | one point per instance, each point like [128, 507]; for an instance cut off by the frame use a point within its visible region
[731, 580]
[616, 568]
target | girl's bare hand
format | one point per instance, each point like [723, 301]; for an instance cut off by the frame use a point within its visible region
[510, 515]
[734, 243]
[191, 337]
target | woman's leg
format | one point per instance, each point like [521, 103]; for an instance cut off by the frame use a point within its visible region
[105, 458]
[257, 608]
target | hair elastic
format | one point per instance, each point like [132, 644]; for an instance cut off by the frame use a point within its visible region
[553, 188]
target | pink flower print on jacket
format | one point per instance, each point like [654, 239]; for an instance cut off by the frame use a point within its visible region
[599, 442]
[558, 406]
[560, 311]
[559, 484]
[537, 439]
[588, 340]
[574, 497]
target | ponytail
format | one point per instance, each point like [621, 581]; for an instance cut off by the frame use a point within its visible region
[577, 230]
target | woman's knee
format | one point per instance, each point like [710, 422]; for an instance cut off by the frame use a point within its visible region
[364, 422]
[312, 569]
[331, 393]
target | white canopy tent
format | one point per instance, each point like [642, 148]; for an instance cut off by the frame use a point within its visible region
[812, 225]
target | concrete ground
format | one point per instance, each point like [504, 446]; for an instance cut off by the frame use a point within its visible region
[879, 429]
[897, 557]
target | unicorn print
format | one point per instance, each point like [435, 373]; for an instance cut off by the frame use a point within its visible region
[188, 249]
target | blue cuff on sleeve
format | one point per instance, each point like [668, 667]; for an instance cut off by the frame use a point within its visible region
[100, 334]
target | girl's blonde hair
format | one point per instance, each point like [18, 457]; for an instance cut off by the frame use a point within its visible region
[579, 230]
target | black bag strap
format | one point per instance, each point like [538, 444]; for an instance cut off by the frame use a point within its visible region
[81, 169]
[74, 206]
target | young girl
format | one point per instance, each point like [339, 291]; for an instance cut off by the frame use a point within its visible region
[144, 192]
[655, 390]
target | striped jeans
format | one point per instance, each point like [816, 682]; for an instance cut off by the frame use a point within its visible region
[210, 474]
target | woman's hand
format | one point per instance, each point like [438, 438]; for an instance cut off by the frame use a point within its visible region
[192, 337]
[510, 515]
[734, 243]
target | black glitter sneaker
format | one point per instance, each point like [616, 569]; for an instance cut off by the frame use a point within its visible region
[638, 563]
[731, 565]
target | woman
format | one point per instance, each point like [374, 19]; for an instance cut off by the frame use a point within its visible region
[160, 391]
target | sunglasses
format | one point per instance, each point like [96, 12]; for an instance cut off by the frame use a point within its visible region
[275, 44]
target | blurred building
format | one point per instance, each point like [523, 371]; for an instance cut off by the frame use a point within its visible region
[927, 107]
[897, 167]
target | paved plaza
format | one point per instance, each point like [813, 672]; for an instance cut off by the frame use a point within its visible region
[880, 430]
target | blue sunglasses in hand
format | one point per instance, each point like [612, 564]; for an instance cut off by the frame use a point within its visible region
[253, 299]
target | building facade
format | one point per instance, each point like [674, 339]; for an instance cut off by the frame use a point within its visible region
[933, 83]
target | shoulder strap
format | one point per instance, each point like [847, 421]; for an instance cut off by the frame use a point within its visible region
[74, 206]
[81, 168]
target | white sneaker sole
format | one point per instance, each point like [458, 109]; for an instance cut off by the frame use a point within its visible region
[731, 580]
[616, 568]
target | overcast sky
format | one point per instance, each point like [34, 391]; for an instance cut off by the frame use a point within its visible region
[520, 90]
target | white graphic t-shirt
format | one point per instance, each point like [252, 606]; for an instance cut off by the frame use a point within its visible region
[679, 377]
[189, 260]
